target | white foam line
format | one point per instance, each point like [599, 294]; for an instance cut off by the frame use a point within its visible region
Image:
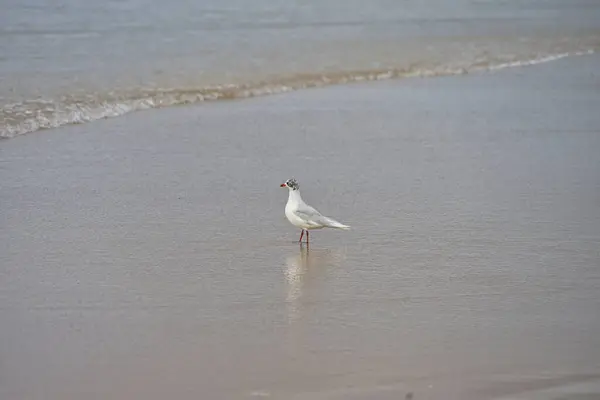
[81, 113]
[538, 60]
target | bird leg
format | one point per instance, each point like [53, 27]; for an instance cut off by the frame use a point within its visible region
[306, 238]
[301, 235]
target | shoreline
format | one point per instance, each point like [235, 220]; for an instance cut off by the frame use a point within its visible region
[77, 115]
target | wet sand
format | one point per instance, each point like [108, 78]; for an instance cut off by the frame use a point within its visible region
[148, 257]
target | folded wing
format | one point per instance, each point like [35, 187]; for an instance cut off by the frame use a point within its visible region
[315, 219]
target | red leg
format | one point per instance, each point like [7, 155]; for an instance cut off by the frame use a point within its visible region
[301, 235]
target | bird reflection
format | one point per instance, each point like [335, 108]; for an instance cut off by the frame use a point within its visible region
[304, 273]
[295, 274]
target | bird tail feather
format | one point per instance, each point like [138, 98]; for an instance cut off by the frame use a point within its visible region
[332, 223]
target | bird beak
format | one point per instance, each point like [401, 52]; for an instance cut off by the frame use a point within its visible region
[282, 185]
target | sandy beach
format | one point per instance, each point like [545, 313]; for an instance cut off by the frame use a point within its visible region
[148, 256]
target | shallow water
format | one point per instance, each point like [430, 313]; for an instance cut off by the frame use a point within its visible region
[148, 256]
[74, 62]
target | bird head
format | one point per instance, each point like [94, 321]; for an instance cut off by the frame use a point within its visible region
[291, 184]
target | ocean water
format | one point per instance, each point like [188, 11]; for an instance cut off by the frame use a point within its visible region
[68, 61]
[148, 257]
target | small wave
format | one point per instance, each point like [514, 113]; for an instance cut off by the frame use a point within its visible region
[539, 60]
[34, 115]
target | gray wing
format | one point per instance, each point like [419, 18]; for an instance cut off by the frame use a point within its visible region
[311, 216]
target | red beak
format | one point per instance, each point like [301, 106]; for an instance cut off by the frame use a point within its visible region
[282, 185]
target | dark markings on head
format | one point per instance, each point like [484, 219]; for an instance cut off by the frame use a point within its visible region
[292, 183]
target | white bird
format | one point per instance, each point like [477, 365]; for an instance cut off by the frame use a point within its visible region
[304, 216]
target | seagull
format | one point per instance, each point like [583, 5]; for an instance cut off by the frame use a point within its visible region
[304, 216]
